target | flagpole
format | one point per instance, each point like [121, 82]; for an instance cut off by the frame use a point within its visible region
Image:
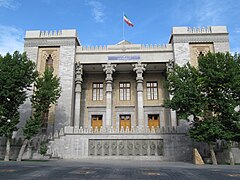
[123, 27]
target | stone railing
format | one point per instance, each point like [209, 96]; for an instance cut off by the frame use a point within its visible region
[133, 130]
[50, 33]
[199, 30]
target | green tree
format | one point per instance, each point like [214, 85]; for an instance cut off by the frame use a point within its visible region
[46, 93]
[209, 93]
[17, 73]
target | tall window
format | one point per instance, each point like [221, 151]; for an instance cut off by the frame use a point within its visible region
[152, 90]
[124, 91]
[97, 91]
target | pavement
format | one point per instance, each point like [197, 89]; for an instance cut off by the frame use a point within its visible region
[114, 169]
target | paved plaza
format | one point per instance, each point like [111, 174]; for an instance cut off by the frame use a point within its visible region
[114, 169]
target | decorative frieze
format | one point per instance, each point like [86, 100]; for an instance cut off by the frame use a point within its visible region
[200, 38]
[50, 42]
[126, 147]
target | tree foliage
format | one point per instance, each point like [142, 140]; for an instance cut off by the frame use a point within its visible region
[209, 93]
[47, 91]
[17, 73]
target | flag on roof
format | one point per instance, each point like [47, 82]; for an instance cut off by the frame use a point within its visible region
[127, 20]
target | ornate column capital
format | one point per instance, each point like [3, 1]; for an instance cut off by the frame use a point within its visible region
[78, 76]
[170, 65]
[109, 69]
[139, 68]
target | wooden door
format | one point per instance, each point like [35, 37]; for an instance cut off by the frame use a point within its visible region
[125, 121]
[153, 121]
[96, 121]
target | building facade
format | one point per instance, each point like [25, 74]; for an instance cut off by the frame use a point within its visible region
[112, 96]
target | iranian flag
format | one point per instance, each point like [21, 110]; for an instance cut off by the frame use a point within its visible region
[127, 20]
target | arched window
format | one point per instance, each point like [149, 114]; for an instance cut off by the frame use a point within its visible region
[49, 62]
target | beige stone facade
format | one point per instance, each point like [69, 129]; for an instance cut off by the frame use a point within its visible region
[112, 96]
[197, 50]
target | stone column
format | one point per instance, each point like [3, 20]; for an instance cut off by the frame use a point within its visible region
[140, 68]
[109, 69]
[173, 116]
[78, 90]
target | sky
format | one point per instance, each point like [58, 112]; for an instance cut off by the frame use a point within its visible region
[100, 22]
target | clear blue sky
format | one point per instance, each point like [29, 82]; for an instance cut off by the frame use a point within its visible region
[99, 22]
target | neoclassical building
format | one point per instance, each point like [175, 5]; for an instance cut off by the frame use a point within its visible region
[112, 96]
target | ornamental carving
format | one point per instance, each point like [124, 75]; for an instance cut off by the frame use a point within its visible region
[197, 50]
[49, 42]
[170, 65]
[106, 147]
[139, 68]
[130, 145]
[78, 72]
[109, 69]
[198, 38]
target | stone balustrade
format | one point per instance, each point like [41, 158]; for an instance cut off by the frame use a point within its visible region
[133, 130]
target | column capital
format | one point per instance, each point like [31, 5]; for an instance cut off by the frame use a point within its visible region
[139, 68]
[109, 69]
[170, 65]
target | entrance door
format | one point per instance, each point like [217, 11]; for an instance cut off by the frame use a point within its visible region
[125, 121]
[153, 121]
[96, 121]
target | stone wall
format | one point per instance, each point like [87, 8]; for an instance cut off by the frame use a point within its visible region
[163, 144]
[65, 104]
